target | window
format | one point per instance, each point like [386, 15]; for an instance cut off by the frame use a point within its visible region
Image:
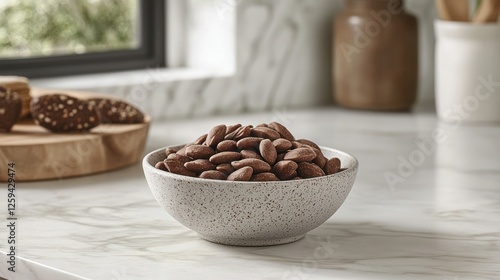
[66, 37]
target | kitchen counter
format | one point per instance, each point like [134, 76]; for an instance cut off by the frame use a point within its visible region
[426, 205]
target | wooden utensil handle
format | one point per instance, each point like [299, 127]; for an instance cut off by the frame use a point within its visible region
[488, 11]
[453, 10]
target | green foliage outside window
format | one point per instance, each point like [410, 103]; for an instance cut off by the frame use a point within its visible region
[39, 28]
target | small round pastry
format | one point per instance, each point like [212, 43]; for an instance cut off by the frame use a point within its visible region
[63, 113]
[10, 109]
[19, 85]
[117, 111]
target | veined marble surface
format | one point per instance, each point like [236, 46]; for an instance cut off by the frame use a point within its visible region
[440, 222]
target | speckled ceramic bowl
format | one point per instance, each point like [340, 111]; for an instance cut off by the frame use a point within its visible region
[251, 213]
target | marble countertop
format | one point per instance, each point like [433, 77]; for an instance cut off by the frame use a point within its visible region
[426, 205]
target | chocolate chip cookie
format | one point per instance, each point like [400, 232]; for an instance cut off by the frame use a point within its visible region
[63, 113]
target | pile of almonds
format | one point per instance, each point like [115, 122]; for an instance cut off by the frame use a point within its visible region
[267, 152]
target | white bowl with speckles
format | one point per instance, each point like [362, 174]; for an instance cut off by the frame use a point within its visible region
[251, 213]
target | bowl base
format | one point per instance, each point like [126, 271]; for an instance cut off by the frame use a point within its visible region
[250, 242]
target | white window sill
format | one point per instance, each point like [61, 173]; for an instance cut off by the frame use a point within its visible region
[128, 78]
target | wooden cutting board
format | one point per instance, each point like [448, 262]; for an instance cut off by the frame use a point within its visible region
[39, 154]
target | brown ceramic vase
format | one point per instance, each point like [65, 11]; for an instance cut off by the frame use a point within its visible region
[375, 56]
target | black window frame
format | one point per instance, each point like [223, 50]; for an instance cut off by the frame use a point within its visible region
[150, 53]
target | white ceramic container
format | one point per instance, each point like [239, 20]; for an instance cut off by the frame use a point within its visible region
[250, 213]
[467, 71]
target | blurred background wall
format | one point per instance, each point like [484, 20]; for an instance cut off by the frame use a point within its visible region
[283, 61]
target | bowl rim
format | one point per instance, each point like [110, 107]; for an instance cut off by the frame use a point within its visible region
[151, 168]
